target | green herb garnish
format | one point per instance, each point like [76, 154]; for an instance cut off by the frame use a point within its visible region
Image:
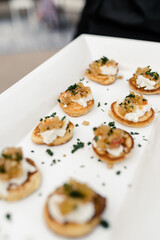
[63, 118]
[112, 124]
[104, 224]
[130, 96]
[96, 138]
[134, 133]
[59, 100]
[95, 128]
[98, 105]
[8, 216]
[76, 125]
[72, 88]
[89, 143]
[77, 146]
[49, 152]
[152, 74]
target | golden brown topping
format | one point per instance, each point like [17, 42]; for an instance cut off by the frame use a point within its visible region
[50, 123]
[95, 67]
[120, 77]
[131, 102]
[85, 123]
[10, 163]
[75, 92]
[107, 137]
[75, 193]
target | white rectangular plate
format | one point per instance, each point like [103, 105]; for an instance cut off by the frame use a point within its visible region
[35, 96]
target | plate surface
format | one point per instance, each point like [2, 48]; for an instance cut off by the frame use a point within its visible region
[35, 96]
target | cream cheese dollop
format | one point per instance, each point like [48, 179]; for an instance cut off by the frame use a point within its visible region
[116, 152]
[50, 135]
[27, 167]
[83, 101]
[145, 82]
[81, 214]
[110, 70]
[134, 116]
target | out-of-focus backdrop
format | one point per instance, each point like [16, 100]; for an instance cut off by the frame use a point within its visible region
[31, 31]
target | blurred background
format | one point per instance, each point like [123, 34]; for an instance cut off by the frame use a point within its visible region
[31, 31]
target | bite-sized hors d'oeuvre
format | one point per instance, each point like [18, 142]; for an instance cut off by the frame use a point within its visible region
[112, 144]
[19, 176]
[73, 209]
[133, 111]
[53, 131]
[145, 81]
[103, 71]
[77, 100]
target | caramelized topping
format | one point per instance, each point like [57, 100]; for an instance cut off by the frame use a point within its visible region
[95, 67]
[75, 92]
[51, 123]
[75, 193]
[131, 102]
[10, 163]
[108, 137]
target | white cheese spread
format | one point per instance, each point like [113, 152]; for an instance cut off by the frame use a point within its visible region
[83, 101]
[116, 152]
[134, 116]
[111, 70]
[81, 214]
[27, 167]
[50, 135]
[145, 82]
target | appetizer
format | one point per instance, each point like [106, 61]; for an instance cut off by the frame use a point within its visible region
[145, 81]
[133, 111]
[53, 131]
[19, 176]
[112, 144]
[103, 71]
[73, 209]
[77, 100]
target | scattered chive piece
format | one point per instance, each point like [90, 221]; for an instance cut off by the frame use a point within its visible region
[99, 160]
[104, 224]
[32, 151]
[95, 128]
[76, 125]
[96, 138]
[139, 145]
[41, 119]
[98, 104]
[59, 100]
[42, 162]
[63, 118]
[77, 146]
[81, 79]
[118, 172]
[134, 133]
[105, 103]
[112, 124]
[8, 216]
[89, 143]
[49, 152]
[102, 110]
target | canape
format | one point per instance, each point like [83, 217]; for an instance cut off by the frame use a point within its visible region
[19, 176]
[53, 131]
[77, 100]
[74, 209]
[112, 144]
[103, 71]
[145, 81]
[133, 111]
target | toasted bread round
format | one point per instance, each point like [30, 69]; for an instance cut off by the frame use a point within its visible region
[134, 86]
[37, 138]
[110, 159]
[74, 109]
[29, 186]
[70, 229]
[102, 79]
[142, 122]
